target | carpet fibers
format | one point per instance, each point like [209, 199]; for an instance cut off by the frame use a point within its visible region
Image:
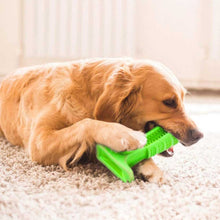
[90, 191]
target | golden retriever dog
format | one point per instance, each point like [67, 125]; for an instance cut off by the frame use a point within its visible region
[58, 112]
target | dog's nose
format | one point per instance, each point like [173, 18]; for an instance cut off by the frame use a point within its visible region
[194, 135]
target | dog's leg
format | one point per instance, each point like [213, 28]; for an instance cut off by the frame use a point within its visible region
[52, 142]
[149, 171]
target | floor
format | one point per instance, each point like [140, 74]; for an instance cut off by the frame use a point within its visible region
[192, 188]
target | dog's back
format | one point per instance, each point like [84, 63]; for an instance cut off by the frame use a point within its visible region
[25, 93]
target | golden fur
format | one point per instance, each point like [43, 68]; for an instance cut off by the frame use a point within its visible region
[57, 112]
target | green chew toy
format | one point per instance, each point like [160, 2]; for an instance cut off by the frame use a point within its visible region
[120, 163]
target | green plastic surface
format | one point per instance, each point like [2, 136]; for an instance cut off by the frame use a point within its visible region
[120, 163]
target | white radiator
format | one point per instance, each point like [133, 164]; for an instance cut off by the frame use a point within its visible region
[78, 28]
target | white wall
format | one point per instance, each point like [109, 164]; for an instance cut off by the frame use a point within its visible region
[181, 34]
[170, 31]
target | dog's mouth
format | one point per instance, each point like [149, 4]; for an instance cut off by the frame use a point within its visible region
[150, 125]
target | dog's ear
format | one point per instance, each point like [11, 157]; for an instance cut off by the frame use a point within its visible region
[119, 96]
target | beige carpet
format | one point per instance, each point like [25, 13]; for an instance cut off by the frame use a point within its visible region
[30, 191]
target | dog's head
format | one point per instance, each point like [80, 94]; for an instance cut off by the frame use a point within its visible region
[144, 92]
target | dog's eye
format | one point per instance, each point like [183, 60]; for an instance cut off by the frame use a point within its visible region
[170, 103]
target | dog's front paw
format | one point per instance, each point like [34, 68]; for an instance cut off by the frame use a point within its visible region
[120, 138]
[148, 171]
[132, 140]
[127, 139]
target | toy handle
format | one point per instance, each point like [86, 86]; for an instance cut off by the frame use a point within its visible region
[135, 156]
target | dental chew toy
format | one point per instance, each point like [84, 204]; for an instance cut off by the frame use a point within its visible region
[120, 163]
